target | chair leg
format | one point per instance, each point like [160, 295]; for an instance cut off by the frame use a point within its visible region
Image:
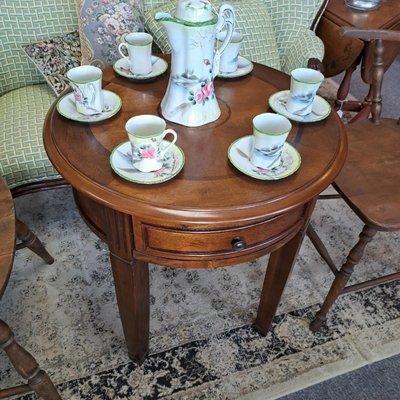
[30, 240]
[26, 365]
[321, 249]
[343, 276]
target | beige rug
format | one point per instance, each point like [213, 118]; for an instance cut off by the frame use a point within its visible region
[202, 342]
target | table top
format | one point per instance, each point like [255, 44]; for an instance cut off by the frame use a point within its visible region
[209, 190]
[384, 17]
[7, 234]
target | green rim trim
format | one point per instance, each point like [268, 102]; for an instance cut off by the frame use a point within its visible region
[272, 134]
[152, 182]
[97, 120]
[212, 21]
[298, 118]
[265, 178]
[134, 77]
[85, 82]
[309, 83]
[231, 41]
[138, 45]
[147, 137]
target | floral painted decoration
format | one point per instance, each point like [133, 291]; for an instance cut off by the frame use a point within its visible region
[102, 26]
[54, 57]
[148, 151]
[200, 90]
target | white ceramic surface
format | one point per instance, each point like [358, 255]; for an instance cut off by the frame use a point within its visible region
[270, 132]
[138, 46]
[239, 155]
[121, 163]
[230, 57]
[112, 104]
[158, 65]
[146, 134]
[85, 81]
[190, 99]
[320, 109]
[245, 66]
[304, 84]
[194, 11]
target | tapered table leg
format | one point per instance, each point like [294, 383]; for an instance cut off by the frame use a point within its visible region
[131, 280]
[279, 267]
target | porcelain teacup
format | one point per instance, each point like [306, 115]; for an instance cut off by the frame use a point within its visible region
[146, 134]
[304, 85]
[138, 45]
[86, 83]
[229, 58]
[270, 132]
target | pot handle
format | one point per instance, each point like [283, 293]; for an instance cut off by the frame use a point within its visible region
[226, 19]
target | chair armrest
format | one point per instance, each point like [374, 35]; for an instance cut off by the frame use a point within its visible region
[370, 34]
[307, 50]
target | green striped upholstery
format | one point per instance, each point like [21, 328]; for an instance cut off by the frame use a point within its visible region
[22, 155]
[24, 22]
[306, 45]
[290, 17]
[149, 4]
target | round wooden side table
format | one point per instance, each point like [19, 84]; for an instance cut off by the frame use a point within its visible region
[196, 219]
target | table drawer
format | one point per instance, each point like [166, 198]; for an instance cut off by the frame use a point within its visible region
[163, 241]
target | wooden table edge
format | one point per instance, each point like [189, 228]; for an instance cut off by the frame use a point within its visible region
[184, 216]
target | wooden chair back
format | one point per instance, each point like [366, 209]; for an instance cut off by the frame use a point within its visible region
[375, 38]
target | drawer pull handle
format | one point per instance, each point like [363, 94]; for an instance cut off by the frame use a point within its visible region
[238, 243]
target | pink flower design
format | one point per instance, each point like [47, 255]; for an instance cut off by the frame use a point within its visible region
[77, 96]
[148, 153]
[208, 89]
[112, 25]
[159, 172]
[199, 97]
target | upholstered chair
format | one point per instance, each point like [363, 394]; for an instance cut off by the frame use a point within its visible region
[25, 97]
[294, 23]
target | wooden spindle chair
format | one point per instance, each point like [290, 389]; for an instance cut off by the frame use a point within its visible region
[370, 179]
[23, 362]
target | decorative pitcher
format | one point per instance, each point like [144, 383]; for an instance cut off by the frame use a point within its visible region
[190, 99]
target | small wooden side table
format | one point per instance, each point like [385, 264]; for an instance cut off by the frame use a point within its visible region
[196, 219]
[23, 362]
[345, 54]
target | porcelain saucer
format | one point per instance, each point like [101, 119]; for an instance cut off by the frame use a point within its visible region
[173, 162]
[321, 108]
[121, 67]
[245, 66]
[239, 155]
[112, 104]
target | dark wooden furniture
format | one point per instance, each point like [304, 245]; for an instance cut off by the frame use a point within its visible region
[197, 219]
[343, 53]
[369, 181]
[23, 362]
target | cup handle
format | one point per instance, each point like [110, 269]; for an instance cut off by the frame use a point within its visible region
[172, 132]
[120, 47]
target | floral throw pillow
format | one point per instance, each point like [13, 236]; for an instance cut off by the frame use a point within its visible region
[102, 26]
[54, 57]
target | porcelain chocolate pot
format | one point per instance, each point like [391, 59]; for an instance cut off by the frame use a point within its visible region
[190, 98]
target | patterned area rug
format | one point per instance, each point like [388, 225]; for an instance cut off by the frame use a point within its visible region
[203, 345]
